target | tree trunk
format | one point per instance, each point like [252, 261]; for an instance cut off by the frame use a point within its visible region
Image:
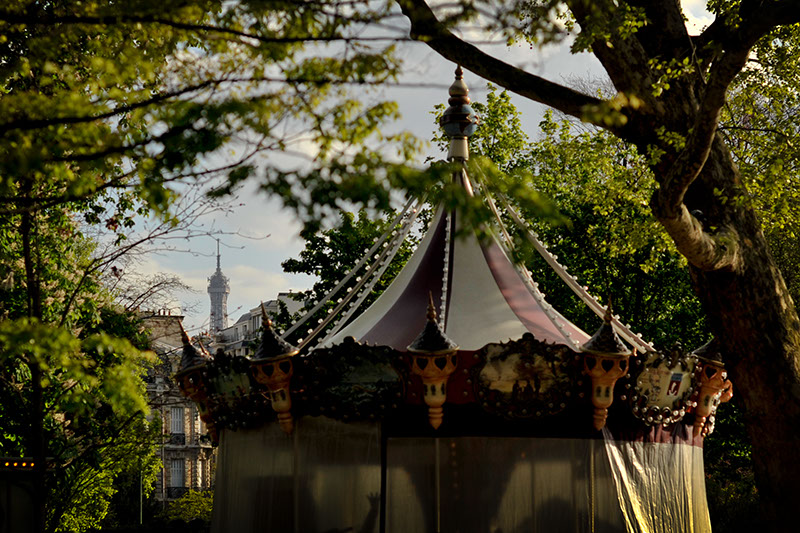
[37, 445]
[755, 322]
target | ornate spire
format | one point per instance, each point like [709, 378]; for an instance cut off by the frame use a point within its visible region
[273, 367]
[459, 121]
[434, 359]
[605, 361]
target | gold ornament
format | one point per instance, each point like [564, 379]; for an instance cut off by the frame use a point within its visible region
[433, 358]
[715, 388]
[272, 366]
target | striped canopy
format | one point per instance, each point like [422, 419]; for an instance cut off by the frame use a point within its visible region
[486, 297]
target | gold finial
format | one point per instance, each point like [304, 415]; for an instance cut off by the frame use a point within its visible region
[608, 315]
[184, 335]
[459, 73]
[265, 321]
[431, 308]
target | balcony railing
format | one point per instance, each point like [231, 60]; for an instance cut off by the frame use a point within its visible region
[182, 439]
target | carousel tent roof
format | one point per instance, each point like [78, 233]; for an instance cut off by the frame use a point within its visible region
[482, 296]
[486, 299]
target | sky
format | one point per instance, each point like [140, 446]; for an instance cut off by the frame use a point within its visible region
[253, 263]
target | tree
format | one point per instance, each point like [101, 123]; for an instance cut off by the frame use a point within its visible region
[107, 110]
[672, 90]
[101, 97]
[92, 424]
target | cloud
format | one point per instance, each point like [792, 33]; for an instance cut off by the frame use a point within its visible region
[697, 16]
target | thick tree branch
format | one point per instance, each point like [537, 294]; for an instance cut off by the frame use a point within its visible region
[631, 76]
[665, 32]
[426, 27]
[701, 249]
[690, 160]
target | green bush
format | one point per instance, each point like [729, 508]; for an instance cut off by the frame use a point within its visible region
[193, 505]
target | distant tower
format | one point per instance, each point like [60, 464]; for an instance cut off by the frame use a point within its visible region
[218, 290]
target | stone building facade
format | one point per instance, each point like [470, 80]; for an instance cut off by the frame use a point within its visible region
[242, 337]
[187, 455]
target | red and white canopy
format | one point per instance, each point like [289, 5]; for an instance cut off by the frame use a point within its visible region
[486, 297]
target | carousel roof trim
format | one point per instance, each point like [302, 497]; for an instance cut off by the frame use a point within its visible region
[391, 231]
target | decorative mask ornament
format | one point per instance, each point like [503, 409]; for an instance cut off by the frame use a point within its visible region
[663, 388]
[605, 361]
[715, 388]
[433, 358]
[272, 366]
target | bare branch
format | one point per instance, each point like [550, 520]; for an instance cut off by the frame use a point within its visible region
[52, 20]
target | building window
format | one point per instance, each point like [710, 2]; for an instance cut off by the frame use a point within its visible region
[176, 420]
[177, 473]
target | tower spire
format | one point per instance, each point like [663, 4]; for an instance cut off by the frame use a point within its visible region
[218, 290]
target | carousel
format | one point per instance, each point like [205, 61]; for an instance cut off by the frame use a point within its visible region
[459, 401]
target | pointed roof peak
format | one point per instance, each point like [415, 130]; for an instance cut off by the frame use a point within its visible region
[608, 316]
[271, 346]
[459, 120]
[431, 308]
[458, 91]
[191, 356]
[605, 340]
[432, 339]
